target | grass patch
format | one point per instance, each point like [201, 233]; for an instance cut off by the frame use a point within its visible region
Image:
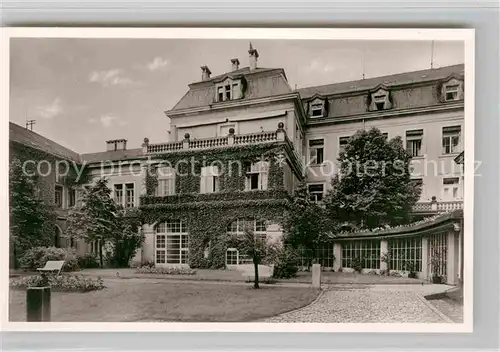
[140, 300]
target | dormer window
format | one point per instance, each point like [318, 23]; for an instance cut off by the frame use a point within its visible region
[228, 90]
[452, 90]
[380, 100]
[317, 108]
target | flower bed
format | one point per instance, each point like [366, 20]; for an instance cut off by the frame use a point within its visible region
[61, 283]
[165, 271]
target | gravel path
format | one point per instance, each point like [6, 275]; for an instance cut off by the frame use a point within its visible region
[368, 304]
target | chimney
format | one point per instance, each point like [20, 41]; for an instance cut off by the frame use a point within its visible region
[235, 64]
[254, 55]
[116, 144]
[205, 73]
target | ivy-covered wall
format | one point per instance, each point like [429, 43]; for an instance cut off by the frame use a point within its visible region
[207, 216]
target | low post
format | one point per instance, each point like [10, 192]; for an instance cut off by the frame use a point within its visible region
[316, 275]
[38, 302]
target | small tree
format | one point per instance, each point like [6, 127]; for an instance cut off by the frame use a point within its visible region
[306, 224]
[127, 238]
[253, 246]
[32, 221]
[374, 188]
[95, 220]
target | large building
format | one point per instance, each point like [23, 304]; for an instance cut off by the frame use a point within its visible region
[240, 142]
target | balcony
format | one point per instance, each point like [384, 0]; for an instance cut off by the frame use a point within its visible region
[438, 207]
[215, 142]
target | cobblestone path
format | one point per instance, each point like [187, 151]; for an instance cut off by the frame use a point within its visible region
[368, 304]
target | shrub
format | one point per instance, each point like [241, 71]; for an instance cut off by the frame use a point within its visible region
[165, 270]
[35, 258]
[357, 264]
[395, 274]
[62, 283]
[88, 261]
[285, 264]
[372, 272]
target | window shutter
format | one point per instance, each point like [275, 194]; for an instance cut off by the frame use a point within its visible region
[264, 175]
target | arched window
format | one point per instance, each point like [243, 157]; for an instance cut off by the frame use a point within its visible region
[171, 243]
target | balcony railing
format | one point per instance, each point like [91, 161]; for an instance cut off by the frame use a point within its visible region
[214, 142]
[438, 206]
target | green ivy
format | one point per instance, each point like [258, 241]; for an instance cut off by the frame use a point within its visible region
[207, 216]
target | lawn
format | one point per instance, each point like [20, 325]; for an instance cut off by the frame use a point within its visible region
[145, 300]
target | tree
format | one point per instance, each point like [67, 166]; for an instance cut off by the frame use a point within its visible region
[374, 188]
[127, 239]
[253, 246]
[95, 220]
[306, 224]
[32, 221]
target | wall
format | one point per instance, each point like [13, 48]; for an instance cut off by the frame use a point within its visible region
[431, 168]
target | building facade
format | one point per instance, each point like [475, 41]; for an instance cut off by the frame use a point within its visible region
[240, 142]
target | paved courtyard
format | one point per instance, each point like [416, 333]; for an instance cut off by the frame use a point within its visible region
[368, 304]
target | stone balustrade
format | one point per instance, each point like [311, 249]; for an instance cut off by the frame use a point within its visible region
[216, 142]
[435, 206]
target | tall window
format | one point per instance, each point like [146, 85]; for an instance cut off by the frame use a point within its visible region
[451, 190]
[124, 195]
[166, 182]
[316, 151]
[58, 196]
[368, 251]
[237, 228]
[316, 192]
[406, 254]
[172, 243]
[257, 176]
[451, 139]
[71, 197]
[451, 92]
[209, 182]
[414, 142]
[220, 93]
[437, 246]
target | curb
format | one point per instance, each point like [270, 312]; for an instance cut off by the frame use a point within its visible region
[434, 309]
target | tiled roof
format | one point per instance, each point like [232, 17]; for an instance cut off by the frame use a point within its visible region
[114, 155]
[261, 82]
[391, 80]
[31, 139]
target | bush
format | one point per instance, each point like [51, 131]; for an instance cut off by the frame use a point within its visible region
[285, 264]
[146, 269]
[35, 258]
[61, 283]
[412, 275]
[357, 264]
[88, 261]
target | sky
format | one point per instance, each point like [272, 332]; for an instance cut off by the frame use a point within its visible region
[82, 92]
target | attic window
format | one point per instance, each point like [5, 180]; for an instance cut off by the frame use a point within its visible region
[228, 90]
[451, 92]
[380, 100]
[317, 108]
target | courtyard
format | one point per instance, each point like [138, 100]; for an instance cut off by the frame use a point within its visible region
[344, 298]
